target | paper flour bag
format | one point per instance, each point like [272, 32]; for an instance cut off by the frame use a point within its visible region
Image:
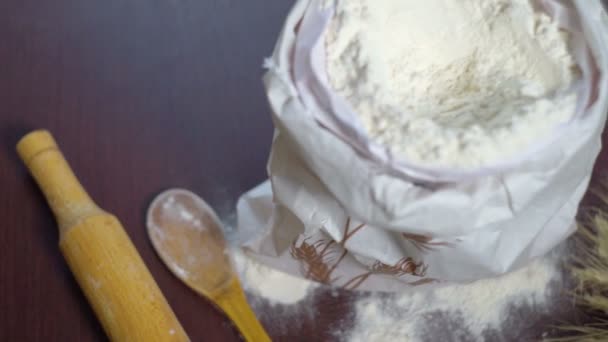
[338, 209]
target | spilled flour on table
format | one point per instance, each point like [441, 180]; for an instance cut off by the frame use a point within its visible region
[474, 312]
[280, 300]
[486, 310]
[273, 285]
[497, 309]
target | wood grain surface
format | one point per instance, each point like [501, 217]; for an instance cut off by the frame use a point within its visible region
[142, 96]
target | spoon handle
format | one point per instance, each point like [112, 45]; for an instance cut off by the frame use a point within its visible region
[234, 303]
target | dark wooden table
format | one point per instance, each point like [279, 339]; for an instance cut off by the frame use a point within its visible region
[142, 96]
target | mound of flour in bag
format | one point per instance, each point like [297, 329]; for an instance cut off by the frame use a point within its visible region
[451, 83]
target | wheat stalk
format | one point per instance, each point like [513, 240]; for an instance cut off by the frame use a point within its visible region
[590, 268]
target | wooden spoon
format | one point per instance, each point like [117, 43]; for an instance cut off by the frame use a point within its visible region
[187, 235]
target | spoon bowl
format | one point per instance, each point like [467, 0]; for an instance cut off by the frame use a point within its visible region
[187, 235]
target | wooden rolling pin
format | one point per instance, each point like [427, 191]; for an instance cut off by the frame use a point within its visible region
[108, 268]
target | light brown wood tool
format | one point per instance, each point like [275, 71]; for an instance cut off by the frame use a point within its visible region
[112, 275]
[188, 237]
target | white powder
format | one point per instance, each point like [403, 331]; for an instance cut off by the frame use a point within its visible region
[176, 211]
[480, 311]
[451, 83]
[273, 285]
[454, 313]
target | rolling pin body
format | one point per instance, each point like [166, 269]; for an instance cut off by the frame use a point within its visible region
[104, 261]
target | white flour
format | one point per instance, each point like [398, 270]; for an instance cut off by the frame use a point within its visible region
[478, 311]
[454, 313]
[451, 83]
[275, 286]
